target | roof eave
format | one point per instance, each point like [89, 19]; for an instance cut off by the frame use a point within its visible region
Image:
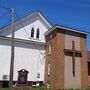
[23, 40]
[69, 29]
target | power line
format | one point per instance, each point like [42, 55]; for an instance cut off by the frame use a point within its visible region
[8, 22]
[35, 46]
[27, 33]
[8, 9]
[22, 24]
[2, 16]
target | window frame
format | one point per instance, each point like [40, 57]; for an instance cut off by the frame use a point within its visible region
[38, 33]
[32, 32]
[49, 68]
[50, 48]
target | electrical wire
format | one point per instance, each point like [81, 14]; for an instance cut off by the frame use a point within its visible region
[6, 23]
[21, 24]
[8, 9]
[2, 16]
[27, 33]
[34, 45]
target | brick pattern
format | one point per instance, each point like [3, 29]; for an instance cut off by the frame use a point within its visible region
[88, 56]
[88, 80]
[84, 68]
[60, 63]
[50, 58]
[57, 59]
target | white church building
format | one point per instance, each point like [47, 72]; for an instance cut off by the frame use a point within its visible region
[29, 48]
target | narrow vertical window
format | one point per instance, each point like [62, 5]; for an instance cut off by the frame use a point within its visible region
[37, 34]
[50, 48]
[49, 68]
[88, 68]
[32, 32]
[38, 75]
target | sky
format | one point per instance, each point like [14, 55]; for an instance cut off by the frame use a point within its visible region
[69, 13]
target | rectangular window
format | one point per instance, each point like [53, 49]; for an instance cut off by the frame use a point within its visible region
[89, 68]
[49, 68]
[50, 48]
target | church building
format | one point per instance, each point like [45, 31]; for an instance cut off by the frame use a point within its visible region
[29, 49]
[52, 56]
[66, 58]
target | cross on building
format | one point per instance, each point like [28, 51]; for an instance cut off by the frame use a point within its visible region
[68, 58]
[74, 53]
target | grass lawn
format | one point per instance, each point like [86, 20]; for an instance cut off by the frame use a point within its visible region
[36, 88]
[32, 88]
[39, 88]
[4, 89]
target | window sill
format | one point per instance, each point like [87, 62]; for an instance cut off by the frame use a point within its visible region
[49, 54]
[48, 75]
[34, 39]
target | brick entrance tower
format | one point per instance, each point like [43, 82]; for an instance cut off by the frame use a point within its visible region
[66, 58]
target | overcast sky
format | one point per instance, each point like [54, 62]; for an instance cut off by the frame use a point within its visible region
[69, 13]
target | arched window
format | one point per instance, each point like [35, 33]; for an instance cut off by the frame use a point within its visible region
[32, 32]
[37, 34]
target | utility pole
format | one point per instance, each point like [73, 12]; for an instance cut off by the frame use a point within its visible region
[12, 50]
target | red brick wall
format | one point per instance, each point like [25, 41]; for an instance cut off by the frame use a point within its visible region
[84, 69]
[50, 58]
[88, 58]
[57, 60]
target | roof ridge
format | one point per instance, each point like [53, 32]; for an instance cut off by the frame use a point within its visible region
[29, 15]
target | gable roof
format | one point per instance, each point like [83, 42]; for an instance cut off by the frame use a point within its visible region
[66, 28]
[28, 17]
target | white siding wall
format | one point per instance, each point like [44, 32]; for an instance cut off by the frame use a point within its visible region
[4, 58]
[20, 33]
[27, 56]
